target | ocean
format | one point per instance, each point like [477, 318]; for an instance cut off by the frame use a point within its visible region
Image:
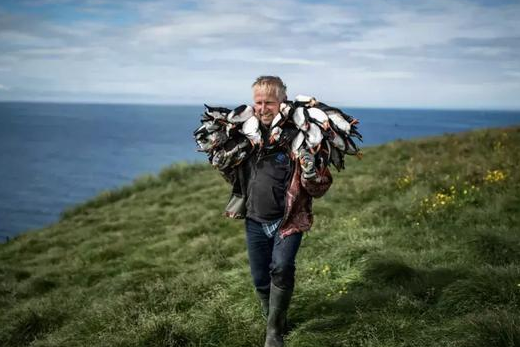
[57, 155]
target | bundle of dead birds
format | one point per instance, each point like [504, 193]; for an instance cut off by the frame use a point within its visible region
[303, 125]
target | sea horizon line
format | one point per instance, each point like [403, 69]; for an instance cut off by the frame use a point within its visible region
[230, 105]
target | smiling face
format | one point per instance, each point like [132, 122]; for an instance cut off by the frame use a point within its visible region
[266, 105]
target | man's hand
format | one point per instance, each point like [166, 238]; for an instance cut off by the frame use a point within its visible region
[307, 164]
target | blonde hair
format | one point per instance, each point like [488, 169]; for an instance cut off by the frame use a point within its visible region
[272, 85]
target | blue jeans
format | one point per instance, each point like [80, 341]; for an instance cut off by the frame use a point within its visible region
[271, 259]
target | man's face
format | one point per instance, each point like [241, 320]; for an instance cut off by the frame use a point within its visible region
[266, 106]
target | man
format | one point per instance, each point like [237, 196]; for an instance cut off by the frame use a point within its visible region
[274, 193]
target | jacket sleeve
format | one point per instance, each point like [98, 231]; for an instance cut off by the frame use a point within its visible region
[318, 186]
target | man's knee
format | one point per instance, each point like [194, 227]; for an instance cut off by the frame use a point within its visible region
[282, 275]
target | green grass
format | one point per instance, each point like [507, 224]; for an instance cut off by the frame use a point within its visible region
[415, 245]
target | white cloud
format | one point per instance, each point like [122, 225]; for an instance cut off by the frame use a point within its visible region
[379, 52]
[288, 61]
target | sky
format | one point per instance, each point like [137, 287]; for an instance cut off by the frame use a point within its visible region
[377, 53]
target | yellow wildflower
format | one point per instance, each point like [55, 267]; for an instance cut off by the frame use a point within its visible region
[494, 176]
[404, 181]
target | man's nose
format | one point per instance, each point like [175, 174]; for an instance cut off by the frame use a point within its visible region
[262, 108]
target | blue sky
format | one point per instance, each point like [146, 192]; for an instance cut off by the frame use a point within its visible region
[377, 53]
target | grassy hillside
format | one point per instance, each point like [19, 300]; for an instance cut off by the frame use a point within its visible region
[417, 244]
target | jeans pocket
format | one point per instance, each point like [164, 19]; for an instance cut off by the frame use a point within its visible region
[278, 239]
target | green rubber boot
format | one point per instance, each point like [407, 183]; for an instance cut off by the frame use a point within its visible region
[263, 295]
[276, 320]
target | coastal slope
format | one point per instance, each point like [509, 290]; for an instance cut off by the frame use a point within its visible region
[415, 245]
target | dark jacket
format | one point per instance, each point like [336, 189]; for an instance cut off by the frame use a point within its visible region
[298, 198]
